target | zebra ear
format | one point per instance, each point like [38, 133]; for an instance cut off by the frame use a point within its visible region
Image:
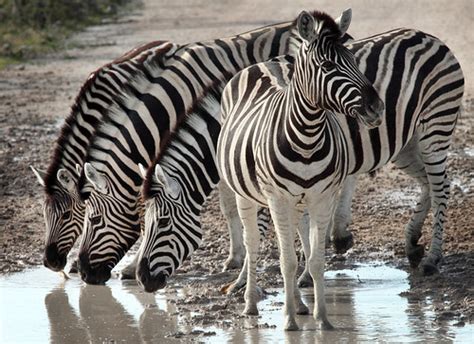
[40, 175]
[169, 184]
[142, 171]
[306, 26]
[96, 178]
[65, 179]
[344, 21]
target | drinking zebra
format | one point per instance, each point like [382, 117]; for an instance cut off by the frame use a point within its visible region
[63, 208]
[141, 117]
[280, 147]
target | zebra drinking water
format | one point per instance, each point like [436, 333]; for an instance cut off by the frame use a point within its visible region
[63, 208]
[141, 118]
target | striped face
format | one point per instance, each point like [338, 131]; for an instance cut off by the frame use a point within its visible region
[63, 214]
[172, 233]
[110, 229]
[328, 75]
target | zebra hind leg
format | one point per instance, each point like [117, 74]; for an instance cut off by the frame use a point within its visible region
[341, 236]
[305, 280]
[409, 161]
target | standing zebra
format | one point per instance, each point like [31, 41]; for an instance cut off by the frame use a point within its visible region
[139, 121]
[275, 148]
[162, 249]
[62, 208]
[281, 147]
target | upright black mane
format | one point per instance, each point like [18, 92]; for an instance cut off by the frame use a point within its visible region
[214, 91]
[67, 128]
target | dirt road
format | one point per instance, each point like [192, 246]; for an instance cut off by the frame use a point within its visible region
[36, 96]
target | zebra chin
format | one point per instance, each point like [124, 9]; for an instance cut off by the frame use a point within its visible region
[98, 274]
[53, 259]
[148, 282]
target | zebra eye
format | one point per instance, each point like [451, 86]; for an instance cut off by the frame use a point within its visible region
[66, 215]
[164, 222]
[328, 66]
[95, 220]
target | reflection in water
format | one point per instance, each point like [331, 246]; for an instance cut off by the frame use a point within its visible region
[103, 319]
[364, 303]
[65, 325]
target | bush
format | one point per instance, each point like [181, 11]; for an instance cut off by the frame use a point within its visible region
[31, 26]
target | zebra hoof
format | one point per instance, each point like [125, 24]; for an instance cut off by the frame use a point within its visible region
[291, 325]
[74, 267]
[326, 325]
[305, 281]
[430, 269]
[250, 310]
[302, 310]
[233, 264]
[341, 245]
[232, 288]
[127, 274]
[415, 255]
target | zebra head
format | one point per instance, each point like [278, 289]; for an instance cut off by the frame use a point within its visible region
[172, 230]
[327, 74]
[111, 227]
[63, 213]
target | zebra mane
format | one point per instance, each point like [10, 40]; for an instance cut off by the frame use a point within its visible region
[192, 118]
[71, 120]
[328, 22]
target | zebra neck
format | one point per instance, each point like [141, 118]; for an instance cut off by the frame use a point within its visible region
[305, 126]
[259, 45]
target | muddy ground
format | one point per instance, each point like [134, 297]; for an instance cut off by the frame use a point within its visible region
[36, 96]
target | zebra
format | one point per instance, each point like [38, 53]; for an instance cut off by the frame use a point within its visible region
[63, 208]
[280, 147]
[142, 116]
[162, 248]
[268, 154]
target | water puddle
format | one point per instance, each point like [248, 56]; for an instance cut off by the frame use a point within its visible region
[38, 306]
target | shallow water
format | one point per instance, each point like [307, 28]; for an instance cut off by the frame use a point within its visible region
[38, 306]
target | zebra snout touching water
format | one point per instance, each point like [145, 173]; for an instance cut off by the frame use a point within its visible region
[280, 146]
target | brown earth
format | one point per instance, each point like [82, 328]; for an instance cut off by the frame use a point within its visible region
[35, 97]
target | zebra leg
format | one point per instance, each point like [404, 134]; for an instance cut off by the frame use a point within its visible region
[129, 272]
[410, 162]
[305, 280]
[248, 215]
[285, 218]
[342, 238]
[435, 166]
[229, 209]
[320, 214]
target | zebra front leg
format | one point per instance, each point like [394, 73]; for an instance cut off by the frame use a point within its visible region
[248, 215]
[229, 210]
[284, 215]
[341, 236]
[320, 217]
[129, 272]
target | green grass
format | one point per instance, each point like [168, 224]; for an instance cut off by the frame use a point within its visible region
[29, 28]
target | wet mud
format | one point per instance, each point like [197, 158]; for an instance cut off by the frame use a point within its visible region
[36, 96]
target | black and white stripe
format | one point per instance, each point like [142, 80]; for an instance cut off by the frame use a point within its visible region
[271, 156]
[63, 208]
[140, 121]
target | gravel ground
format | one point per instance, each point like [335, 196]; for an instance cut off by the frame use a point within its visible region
[35, 97]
